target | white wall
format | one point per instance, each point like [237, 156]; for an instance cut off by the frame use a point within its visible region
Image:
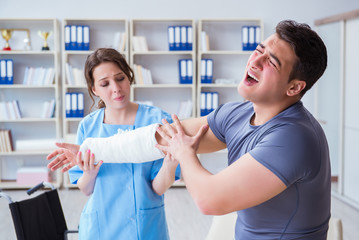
[271, 11]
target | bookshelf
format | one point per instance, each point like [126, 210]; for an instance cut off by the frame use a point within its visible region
[103, 33]
[165, 91]
[223, 45]
[33, 129]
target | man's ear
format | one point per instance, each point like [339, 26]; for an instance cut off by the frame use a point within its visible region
[296, 87]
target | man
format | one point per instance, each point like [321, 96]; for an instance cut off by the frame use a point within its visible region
[278, 178]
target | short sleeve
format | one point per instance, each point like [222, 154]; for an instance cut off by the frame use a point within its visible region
[290, 157]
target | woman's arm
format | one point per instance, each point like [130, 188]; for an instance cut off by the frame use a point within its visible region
[166, 176]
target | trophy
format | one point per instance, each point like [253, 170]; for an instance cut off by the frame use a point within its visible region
[6, 34]
[45, 35]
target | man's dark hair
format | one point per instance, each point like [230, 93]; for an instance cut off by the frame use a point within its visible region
[309, 48]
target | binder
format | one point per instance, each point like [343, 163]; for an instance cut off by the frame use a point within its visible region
[183, 44]
[257, 36]
[215, 100]
[68, 104]
[79, 38]
[189, 78]
[9, 71]
[171, 38]
[182, 64]
[203, 70]
[3, 73]
[209, 70]
[80, 104]
[67, 37]
[208, 103]
[203, 104]
[189, 38]
[73, 39]
[177, 38]
[251, 38]
[245, 38]
[73, 111]
[86, 37]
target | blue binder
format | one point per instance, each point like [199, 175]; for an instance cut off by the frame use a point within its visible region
[203, 70]
[67, 37]
[245, 38]
[73, 39]
[3, 73]
[257, 36]
[182, 69]
[9, 71]
[79, 38]
[171, 38]
[73, 111]
[189, 38]
[86, 37]
[189, 75]
[80, 104]
[68, 104]
[183, 43]
[203, 104]
[177, 38]
[209, 71]
[251, 38]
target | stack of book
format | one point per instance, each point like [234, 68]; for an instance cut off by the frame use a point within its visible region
[74, 103]
[119, 43]
[39, 76]
[5, 141]
[204, 42]
[48, 109]
[139, 44]
[143, 75]
[74, 76]
[10, 110]
[184, 109]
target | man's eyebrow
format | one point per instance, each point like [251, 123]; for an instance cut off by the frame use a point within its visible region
[272, 55]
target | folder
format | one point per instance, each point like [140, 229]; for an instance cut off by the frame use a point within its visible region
[203, 71]
[67, 37]
[171, 38]
[208, 103]
[189, 78]
[73, 39]
[86, 37]
[215, 100]
[74, 103]
[80, 104]
[3, 73]
[257, 36]
[245, 38]
[177, 38]
[68, 104]
[209, 70]
[251, 38]
[203, 104]
[182, 66]
[189, 38]
[79, 38]
[183, 44]
[9, 71]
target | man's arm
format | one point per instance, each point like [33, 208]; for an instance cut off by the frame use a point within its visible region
[243, 184]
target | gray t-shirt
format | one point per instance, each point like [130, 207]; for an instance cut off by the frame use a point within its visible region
[293, 146]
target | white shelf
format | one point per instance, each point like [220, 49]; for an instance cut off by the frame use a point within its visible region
[30, 97]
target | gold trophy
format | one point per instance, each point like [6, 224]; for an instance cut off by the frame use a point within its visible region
[45, 35]
[6, 34]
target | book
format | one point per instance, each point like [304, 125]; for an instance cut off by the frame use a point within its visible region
[171, 38]
[67, 37]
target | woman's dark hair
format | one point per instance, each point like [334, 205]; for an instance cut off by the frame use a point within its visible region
[309, 48]
[99, 56]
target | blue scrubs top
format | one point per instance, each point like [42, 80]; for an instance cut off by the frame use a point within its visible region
[123, 204]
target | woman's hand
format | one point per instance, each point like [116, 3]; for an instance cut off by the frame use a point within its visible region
[88, 165]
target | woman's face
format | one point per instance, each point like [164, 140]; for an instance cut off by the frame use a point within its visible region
[111, 85]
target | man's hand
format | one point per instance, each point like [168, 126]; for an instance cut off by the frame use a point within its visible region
[178, 142]
[65, 154]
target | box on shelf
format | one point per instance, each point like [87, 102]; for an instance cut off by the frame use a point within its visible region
[32, 175]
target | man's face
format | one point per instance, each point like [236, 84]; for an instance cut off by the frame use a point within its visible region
[265, 80]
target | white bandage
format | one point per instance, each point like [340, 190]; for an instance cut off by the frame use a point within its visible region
[135, 146]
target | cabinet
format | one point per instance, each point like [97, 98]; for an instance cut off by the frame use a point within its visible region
[222, 42]
[165, 92]
[103, 33]
[33, 135]
[336, 102]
